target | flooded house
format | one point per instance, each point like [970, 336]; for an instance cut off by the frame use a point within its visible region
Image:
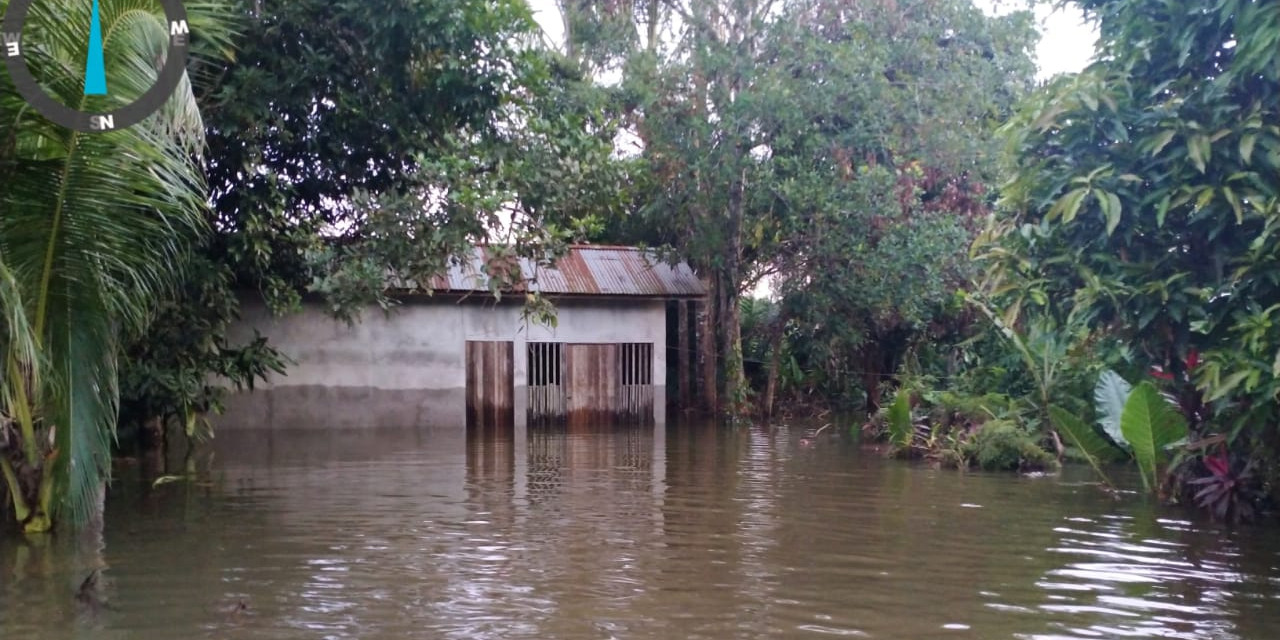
[625, 322]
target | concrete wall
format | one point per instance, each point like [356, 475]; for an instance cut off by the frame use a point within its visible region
[407, 368]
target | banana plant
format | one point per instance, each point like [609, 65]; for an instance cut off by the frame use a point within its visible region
[1043, 348]
[93, 229]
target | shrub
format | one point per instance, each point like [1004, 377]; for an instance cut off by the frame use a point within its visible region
[951, 408]
[1000, 445]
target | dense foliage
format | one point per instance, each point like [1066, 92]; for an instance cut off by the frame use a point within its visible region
[351, 141]
[841, 149]
[846, 152]
[91, 229]
[1144, 207]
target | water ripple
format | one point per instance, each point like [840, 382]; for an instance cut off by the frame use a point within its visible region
[630, 534]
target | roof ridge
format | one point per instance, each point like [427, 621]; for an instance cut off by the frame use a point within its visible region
[610, 247]
[617, 270]
[574, 246]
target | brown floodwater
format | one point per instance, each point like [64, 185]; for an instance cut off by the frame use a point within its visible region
[690, 532]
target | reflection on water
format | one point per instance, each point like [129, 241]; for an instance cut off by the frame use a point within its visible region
[631, 533]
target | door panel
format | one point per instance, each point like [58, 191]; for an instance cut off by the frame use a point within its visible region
[490, 388]
[591, 373]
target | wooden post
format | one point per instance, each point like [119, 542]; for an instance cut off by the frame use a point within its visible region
[682, 355]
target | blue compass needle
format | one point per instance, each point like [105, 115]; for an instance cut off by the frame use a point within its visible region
[95, 75]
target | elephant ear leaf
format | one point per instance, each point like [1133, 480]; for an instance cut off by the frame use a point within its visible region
[1109, 396]
[1095, 448]
[1150, 424]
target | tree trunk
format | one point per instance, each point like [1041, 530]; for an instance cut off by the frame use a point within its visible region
[566, 23]
[735, 385]
[775, 364]
[870, 366]
[871, 383]
[89, 555]
[90, 535]
[707, 353]
[682, 353]
[729, 277]
[651, 42]
[880, 357]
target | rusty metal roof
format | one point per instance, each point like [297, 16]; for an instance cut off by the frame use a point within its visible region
[585, 270]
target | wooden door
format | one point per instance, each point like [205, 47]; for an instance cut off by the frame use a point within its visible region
[591, 374]
[490, 388]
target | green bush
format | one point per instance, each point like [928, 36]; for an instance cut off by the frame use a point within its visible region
[1000, 445]
[951, 407]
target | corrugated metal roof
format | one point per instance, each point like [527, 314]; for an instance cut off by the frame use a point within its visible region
[585, 270]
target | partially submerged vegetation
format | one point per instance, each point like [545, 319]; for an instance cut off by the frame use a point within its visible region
[93, 230]
[1136, 235]
[1003, 276]
[951, 430]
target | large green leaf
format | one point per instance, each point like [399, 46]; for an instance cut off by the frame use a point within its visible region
[88, 402]
[1109, 396]
[1151, 424]
[1095, 448]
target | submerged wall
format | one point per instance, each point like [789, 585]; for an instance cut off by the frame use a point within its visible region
[408, 368]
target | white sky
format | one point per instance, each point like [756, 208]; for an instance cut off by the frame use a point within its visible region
[1066, 42]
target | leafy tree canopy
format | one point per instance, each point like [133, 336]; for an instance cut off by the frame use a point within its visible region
[353, 140]
[1147, 197]
[841, 147]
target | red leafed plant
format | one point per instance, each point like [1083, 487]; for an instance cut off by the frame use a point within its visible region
[1192, 361]
[1226, 493]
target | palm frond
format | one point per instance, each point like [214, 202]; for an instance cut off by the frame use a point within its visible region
[17, 340]
[94, 227]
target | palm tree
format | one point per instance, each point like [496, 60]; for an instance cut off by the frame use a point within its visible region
[93, 230]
